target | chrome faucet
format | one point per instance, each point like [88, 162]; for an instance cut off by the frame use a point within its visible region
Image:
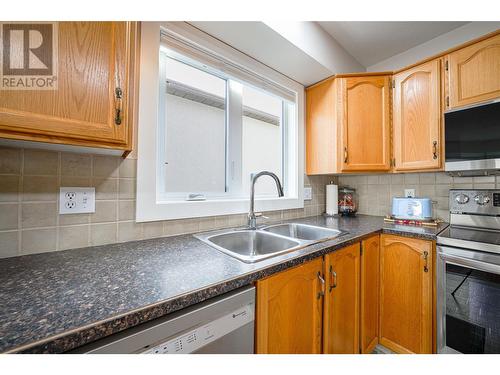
[252, 216]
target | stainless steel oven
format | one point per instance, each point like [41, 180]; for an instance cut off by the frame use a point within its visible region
[468, 274]
[472, 139]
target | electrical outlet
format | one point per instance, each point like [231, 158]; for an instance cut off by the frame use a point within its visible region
[410, 193]
[308, 193]
[76, 200]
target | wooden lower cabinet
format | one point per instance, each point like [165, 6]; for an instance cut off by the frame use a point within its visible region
[406, 294]
[341, 312]
[290, 311]
[370, 287]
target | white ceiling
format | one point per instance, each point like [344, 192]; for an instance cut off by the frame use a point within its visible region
[261, 42]
[371, 42]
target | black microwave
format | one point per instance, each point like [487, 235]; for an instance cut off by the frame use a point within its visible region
[472, 140]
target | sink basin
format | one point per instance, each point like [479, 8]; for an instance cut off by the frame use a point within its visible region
[303, 231]
[250, 245]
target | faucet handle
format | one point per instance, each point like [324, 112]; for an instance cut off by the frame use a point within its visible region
[260, 215]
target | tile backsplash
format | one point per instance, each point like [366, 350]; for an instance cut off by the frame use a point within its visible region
[29, 187]
[375, 192]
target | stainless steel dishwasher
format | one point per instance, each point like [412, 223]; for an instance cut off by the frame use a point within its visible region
[223, 324]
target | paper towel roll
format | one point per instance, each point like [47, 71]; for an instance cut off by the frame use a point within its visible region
[332, 199]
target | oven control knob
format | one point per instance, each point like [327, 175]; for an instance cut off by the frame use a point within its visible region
[462, 198]
[482, 199]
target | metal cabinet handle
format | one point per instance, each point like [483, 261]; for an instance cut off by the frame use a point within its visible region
[333, 279]
[118, 105]
[345, 154]
[434, 150]
[322, 281]
[426, 258]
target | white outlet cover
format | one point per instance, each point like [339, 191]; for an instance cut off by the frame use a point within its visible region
[308, 194]
[76, 200]
[410, 193]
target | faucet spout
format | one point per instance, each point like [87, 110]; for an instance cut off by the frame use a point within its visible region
[252, 217]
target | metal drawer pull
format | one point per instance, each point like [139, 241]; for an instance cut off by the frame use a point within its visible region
[333, 279]
[345, 154]
[322, 281]
[426, 256]
[118, 105]
[434, 150]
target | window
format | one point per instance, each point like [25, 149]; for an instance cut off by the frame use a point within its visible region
[217, 122]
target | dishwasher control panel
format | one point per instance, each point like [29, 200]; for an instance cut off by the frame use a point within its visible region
[196, 338]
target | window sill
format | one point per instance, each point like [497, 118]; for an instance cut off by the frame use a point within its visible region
[169, 210]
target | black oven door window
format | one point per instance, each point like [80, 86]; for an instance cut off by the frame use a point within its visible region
[472, 310]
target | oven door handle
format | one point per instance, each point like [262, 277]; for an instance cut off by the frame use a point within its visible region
[476, 264]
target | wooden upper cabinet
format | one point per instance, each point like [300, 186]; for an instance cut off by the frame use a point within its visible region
[369, 311]
[364, 115]
[290, 311]
[92, 103]
[341, 317]
[406, 294]
[417, 117]
[474, 73]
[321, 130]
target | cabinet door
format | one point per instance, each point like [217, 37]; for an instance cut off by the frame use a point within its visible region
[474, 73]
[94, 61]
[417, 117]
[321, 131]
[365, 119]
[370, 262]
[341, 321]
[406, 294]
[289, 311]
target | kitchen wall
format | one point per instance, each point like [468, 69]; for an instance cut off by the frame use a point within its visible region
[29, 219]
[451, 39]
[375, 192]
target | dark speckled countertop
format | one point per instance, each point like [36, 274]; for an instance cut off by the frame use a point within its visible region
[58, 301]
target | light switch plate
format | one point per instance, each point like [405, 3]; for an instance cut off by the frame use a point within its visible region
[410, 193]
[308, 194]
[76, 200]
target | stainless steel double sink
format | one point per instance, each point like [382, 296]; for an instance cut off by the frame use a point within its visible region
[254, 245]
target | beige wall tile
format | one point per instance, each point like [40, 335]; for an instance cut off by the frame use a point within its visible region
[126, 210]
[443, 178]
[105, 166]
[75, 164]
[483, 180]
[105, 211]
[106, 188]
[397, 179]
[205, 223]
[427, 178]
[411, 178]
[41, 162]
[128, 168]
[9, 216]
[372, 179]
[101, 234]
[73, 237]
[68, 219]
[129, 231]
[10, 160]
[9, 243]
[38, 240]
[126, 188]
[38, 215]
[153, 229]
[40, 188]
[9, 187]
[73, 181]
[173, 227]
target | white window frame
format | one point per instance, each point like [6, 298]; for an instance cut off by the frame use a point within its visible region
[150, 204]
